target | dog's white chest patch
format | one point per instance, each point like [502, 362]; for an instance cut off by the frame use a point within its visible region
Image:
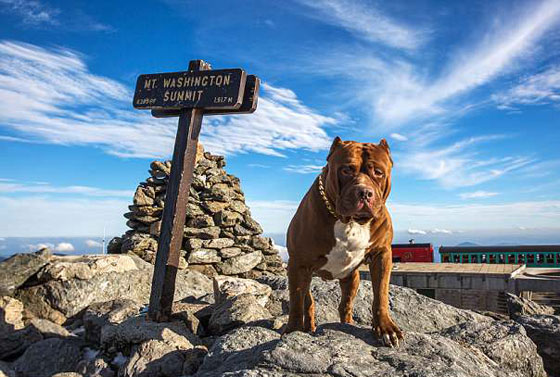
[352, 240]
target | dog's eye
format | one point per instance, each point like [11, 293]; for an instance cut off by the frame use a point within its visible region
[378, 173]
[346, 171]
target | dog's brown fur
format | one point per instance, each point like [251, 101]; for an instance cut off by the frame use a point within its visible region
[311, 236]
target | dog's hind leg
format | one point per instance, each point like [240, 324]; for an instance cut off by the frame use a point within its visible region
[348, 289]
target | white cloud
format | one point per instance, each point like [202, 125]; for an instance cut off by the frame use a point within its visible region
[366, 22]
[64, 247]
[477, 194]
[541, 88]
[49, 95]
[458, 164]
[398, 137]
[441, 231]
[31, 12]
[407, 95]
[416, 231]
[45, 188]
[38, 216]
[93, 244]
[304, 169]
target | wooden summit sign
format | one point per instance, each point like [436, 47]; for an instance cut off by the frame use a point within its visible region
[188, 95]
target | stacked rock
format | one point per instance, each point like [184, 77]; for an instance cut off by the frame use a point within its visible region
[220, 236]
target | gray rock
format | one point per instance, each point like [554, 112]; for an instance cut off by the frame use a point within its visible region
[15, 342]
[48, 357]
[11, 314]
[240, 264]
[97, 367]
[218, 243]
[6, 370]
[21, 267]
[544, 330]
[98, 315]
[49, 329]
[137, 330]
[236, 312]
[226, 287]
[144, 196]
[203, 256]
[202, 233]
[202, 221]
[520, 306]
[227, 218]
[156, 358]
[70, 297]
[346, 350]
[229, 252]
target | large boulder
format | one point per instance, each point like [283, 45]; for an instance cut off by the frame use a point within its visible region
[14, 336]
[67, 292]
[17, 269]
[99, 315]
[544, 330]
[347, 350]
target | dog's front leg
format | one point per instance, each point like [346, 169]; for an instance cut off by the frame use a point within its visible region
[380, 270]
[348, 289]
[299, 281]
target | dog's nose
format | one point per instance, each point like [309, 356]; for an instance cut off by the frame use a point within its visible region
[365, 193]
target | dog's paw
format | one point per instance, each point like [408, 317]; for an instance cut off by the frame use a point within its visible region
[389, 333]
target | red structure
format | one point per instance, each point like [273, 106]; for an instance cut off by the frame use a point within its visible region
[413, 252]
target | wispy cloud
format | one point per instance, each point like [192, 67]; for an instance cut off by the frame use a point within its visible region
[49, 95]
[458, 164]
[408, 95]
[480, 194]
[398, 137]
[42, 188]
[416, 231]
[31, 12]
[366, 22]
[304, 169]
[538, 89]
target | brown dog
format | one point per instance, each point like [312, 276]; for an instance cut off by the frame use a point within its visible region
[342, 221]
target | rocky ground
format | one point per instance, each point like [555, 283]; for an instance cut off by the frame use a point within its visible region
[85, 316]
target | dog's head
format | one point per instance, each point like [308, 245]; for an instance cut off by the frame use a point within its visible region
[358, 178]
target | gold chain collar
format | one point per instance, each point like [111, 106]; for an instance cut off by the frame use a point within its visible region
[324, 197]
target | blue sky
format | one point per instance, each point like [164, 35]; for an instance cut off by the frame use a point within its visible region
[466, 93]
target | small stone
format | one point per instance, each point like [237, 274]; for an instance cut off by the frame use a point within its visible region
[49, 329]
[251, 224]
[205, 269]
[114, 246]
[261, 243]
[203, 256]
[227, 218]
[218, 243]
[214, 207]
[202, 221]
[193, 243]
[98, 315]
[202, 233]
[242, 231]
[229, 252]
[144, 196]
[155, 228]
[193, 210]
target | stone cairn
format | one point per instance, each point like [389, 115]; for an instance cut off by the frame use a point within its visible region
[220, 236]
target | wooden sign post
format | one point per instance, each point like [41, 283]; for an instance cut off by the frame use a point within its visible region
[188, 95]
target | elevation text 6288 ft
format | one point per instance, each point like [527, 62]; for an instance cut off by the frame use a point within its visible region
[214, 89]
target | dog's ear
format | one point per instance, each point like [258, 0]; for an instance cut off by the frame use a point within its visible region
[336, 142]
[383, 143]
